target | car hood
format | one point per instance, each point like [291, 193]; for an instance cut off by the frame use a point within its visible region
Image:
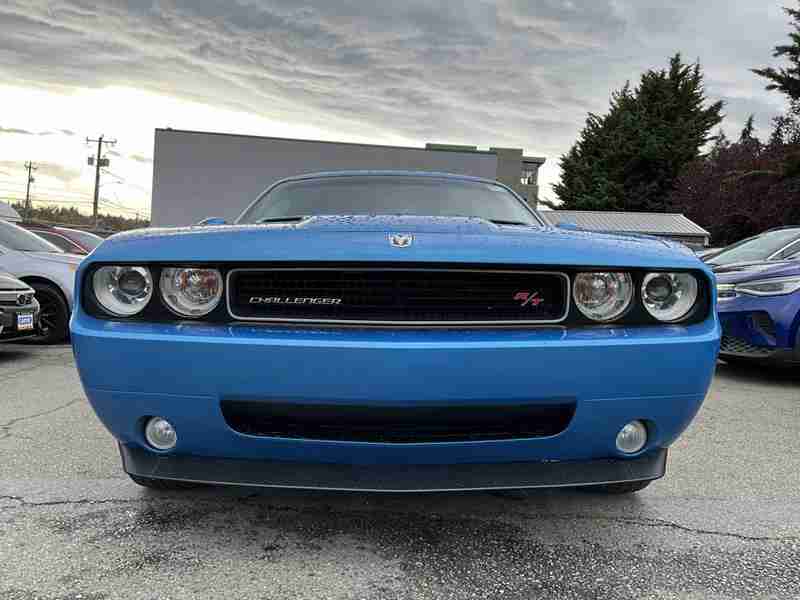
[57, 257]
[741, 272]
[9, 282]
[367, 238]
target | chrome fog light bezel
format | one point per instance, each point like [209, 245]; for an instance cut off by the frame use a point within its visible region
[160, 433]
[632, 437]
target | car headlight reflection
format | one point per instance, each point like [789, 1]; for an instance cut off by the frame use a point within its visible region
[669, 297]
[122, 291]
[603, 296]
[191, 292]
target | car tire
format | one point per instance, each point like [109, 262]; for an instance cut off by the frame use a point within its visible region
[627, 487]
[163, 484]
[54, 313]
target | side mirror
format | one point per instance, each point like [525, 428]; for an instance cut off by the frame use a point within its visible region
[213, 221]
[568, 225]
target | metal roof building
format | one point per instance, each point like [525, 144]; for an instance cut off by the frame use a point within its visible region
[674, 226]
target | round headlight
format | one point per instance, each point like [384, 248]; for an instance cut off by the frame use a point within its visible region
[603, 296]
[669, 296]
[122, 291]
[191, 292]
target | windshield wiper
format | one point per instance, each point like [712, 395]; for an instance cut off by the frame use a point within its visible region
[288, 219]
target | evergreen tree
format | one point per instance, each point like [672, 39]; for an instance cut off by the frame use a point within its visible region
[630, 158]
[786, 80]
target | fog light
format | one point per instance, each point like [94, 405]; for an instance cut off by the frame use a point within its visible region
[160, 434]
[632, 437]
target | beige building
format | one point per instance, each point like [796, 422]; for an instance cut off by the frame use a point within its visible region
[519, 172]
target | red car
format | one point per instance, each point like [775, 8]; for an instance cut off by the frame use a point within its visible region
[73, 241]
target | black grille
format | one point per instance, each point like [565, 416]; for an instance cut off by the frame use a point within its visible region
[735, 345]
[399, 295]
[403, 424]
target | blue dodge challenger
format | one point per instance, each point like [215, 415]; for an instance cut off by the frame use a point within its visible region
[394, 331]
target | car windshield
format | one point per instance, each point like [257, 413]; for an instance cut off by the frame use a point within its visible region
[757, 248]
[17, 238]
[389, 195]
[88, 240]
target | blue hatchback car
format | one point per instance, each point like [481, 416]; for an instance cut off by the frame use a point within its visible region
[394, 331]
[759, 308]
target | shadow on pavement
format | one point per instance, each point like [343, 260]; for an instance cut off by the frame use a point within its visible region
[757, 373]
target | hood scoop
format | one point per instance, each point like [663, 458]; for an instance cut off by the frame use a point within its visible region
[389, 224]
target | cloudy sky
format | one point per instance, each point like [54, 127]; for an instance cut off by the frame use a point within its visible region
[519, 73]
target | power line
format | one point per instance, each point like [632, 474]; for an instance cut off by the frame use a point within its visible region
[99, 162]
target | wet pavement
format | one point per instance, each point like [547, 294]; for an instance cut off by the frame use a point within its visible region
[724, 523]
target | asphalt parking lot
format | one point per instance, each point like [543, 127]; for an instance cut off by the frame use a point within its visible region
[724, 523]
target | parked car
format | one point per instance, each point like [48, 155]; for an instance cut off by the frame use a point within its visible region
[48, 270]
[759, 308]
[73, 241]
[773, 244]
[702, 253]
[394, 331]
[19, 310]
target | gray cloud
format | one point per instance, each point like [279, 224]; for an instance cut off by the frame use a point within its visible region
[12, 130]
[505, 72]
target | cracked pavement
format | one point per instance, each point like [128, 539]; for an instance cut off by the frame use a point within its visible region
[723, 524]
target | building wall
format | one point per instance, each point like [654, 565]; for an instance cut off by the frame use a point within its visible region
[198, 175]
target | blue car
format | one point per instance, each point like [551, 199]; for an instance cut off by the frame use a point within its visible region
[759, 308]
[394, 331]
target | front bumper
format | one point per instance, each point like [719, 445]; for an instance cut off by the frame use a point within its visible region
[393, 478]
[184, 372]
[8, 322]
[762, 329]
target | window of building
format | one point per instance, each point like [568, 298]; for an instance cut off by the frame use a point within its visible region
[528, 177]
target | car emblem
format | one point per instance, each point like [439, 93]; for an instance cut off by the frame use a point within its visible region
[528, 298]
[401, 240]
[22, 299]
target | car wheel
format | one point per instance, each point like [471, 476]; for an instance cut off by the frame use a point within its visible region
[54, 313]
[163, 484]
[627, 487]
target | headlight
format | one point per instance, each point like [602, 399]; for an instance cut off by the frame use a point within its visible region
[669, 296]
[603, 296]
[777, 286]
[191, 292]
[122, 291]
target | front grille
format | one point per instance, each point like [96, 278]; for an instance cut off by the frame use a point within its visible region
[397, 424]
[392, 296]
[735, 345]
[16, 298]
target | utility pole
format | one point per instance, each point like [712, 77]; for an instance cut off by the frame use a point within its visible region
[99, 161]
[28, 206]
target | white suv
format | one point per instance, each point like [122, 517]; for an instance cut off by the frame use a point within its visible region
[47, 269]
